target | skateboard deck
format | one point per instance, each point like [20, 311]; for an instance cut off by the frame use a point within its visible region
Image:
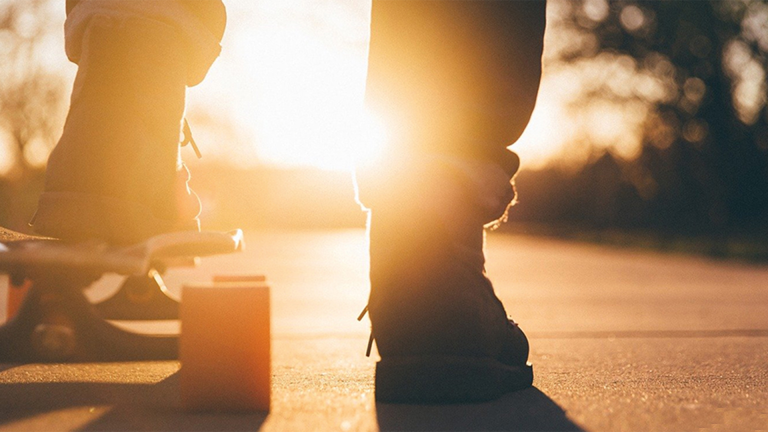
[31, 254]
[55, 321]
[7, 235]
[143, 295]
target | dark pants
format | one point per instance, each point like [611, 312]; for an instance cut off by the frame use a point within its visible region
[455, 77]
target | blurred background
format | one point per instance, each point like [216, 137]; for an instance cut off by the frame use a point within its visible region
[651, 127]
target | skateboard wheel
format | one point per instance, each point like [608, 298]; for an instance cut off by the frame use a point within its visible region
[17, 290]
[17, 279]
[140, 293]
[224, 347]
[54, 342]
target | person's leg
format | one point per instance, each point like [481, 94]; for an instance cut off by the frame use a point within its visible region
[116, 172]
[455, 83]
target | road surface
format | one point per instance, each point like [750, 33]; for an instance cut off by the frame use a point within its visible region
[621, 341]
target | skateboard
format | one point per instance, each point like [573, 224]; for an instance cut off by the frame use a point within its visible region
[55, 322]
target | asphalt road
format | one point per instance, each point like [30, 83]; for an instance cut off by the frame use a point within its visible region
[621, 341]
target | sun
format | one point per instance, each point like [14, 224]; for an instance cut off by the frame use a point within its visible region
[301, 87]
[292, 76]
[547, 132]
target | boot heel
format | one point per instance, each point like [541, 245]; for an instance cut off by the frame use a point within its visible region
[447, 379]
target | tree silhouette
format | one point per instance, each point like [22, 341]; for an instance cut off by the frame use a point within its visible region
[32, 103]
[705, 138]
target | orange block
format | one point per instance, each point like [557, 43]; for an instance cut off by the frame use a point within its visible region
[225, 347]
[239, 278]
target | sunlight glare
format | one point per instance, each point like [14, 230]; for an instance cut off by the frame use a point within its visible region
[6, 155]
[547, 133]
[294, 73]
[303, 86]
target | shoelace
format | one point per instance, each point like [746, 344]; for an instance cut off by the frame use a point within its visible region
[188, 139]
[370, 338]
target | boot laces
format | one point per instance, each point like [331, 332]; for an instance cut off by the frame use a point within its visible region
[188, 139]
[370, 338]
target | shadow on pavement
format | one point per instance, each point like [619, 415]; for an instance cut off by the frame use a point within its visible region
[135, 407]
[527, 410]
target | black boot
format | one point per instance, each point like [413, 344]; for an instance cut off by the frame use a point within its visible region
[455, 84]
[442, 334]
[116, 174]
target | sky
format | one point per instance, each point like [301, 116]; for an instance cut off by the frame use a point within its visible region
[291, 80]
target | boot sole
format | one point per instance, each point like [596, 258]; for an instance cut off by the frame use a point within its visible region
[442, 380]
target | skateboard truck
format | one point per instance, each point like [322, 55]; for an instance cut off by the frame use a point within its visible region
[57, 323]
[142, 297]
